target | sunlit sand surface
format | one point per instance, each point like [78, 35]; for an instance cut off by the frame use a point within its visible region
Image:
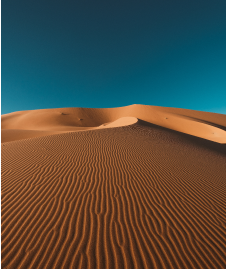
[129, 187]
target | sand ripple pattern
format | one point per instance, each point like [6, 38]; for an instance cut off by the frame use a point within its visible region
[128, 197]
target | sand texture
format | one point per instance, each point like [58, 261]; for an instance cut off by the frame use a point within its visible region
[129, 187]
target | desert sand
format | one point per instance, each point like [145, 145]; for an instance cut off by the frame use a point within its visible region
[129, 187]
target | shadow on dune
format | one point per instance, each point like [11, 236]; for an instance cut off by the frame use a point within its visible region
[196, 141]
[205, 122]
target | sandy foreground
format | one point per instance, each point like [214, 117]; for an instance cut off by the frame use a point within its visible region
[129, 187]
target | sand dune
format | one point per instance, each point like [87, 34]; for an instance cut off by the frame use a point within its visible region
[206, 125]
[131, 187]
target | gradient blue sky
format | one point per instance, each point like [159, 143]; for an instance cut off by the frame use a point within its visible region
[113, 53]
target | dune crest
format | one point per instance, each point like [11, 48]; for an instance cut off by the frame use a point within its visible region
[132, 187]
[124, 121]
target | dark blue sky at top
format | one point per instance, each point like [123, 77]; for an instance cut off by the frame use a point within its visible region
[113, 53]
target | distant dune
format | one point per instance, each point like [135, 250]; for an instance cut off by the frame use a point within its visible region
[130, 187]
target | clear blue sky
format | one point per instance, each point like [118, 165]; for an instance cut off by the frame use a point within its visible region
[106, 53]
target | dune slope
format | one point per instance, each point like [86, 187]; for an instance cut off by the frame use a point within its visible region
[206, 125]
[129, 195]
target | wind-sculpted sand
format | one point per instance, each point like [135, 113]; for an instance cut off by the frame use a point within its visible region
[132, 187]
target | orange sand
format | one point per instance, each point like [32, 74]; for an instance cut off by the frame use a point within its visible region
[129, 187]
